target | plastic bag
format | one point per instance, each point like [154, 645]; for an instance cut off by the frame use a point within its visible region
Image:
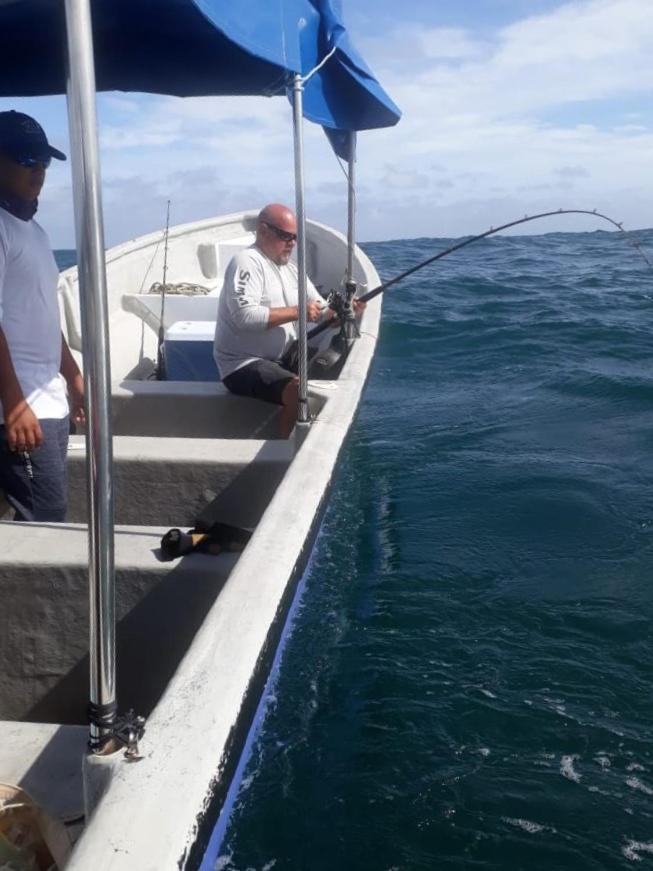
[30, 839]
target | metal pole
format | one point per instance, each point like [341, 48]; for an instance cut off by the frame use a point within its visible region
[298, 88]
[89, 232]
[351, 206]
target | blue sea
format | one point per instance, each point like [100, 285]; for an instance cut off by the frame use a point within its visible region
[468, 682]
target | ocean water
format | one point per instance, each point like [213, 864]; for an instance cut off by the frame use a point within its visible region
[468, 683]
[65, 258]
[469, 679]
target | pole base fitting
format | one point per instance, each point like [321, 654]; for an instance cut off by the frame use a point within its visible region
[303, 412]
[102, 716]
[129, 730]
[102, 719]
[107, 727]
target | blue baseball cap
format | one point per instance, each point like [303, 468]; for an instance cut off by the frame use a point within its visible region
[22, 137]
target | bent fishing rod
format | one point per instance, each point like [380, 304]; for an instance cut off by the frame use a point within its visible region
[365, 297]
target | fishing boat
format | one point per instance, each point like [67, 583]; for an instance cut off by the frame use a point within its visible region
[178, 650]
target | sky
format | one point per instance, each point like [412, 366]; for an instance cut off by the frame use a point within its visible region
[510, 107]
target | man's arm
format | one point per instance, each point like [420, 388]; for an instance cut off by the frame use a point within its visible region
[316, 308]
[75, 381]
[22, 427]
[279, 316]
[324, 311]
[243, 289]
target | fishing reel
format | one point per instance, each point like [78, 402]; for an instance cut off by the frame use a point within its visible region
[324, 363]
[342, 302]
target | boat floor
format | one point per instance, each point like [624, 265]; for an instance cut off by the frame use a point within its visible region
[45, 760]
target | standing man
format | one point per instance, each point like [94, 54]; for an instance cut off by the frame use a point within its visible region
[257, 315]
[36, 365]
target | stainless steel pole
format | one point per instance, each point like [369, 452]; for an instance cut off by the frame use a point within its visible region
[351, 205]
[89, 231]
[298, 90]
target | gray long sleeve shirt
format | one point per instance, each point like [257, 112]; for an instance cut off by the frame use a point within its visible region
[253, 284]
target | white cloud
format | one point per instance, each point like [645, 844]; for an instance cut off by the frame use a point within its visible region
[416, 44]
[583, 51]
[523, 119]
[508, 114]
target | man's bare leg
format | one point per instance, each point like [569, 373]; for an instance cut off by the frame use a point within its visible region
[290, 400]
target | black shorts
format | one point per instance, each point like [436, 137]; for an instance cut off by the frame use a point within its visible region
[262, 379]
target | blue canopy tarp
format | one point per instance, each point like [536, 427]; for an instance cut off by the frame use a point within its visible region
[200, 48]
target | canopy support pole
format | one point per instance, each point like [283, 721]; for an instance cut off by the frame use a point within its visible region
[351, 206]
[303, 416]
[89, 231]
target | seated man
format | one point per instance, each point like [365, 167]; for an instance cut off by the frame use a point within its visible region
[257, 315]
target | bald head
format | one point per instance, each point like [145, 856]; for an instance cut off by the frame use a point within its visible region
[276, 232]
[276, 213]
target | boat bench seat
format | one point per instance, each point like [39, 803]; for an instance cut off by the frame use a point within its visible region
[172, 481]
[196, 410]
[44, 617]
[190, 409]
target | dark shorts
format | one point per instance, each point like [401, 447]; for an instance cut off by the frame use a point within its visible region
[262, 379]
[36, 488]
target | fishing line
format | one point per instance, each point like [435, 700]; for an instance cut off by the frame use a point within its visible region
[147, 271]
[387, 284]
[160, 363]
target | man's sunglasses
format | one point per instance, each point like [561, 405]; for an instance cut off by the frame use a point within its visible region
[31, 162]
[284, 235]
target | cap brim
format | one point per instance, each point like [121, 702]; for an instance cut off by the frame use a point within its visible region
[58, 155]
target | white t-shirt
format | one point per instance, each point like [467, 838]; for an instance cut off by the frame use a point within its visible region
[29, 314]
[253, 284]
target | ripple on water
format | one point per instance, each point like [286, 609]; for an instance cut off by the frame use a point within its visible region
[528, 826]
[633, 850]
[636, 783]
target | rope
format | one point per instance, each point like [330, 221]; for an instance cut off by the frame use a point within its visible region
[182, 288]
[319, 66]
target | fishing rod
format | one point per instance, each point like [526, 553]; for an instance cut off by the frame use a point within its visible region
[160, 363]
[320, 328]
